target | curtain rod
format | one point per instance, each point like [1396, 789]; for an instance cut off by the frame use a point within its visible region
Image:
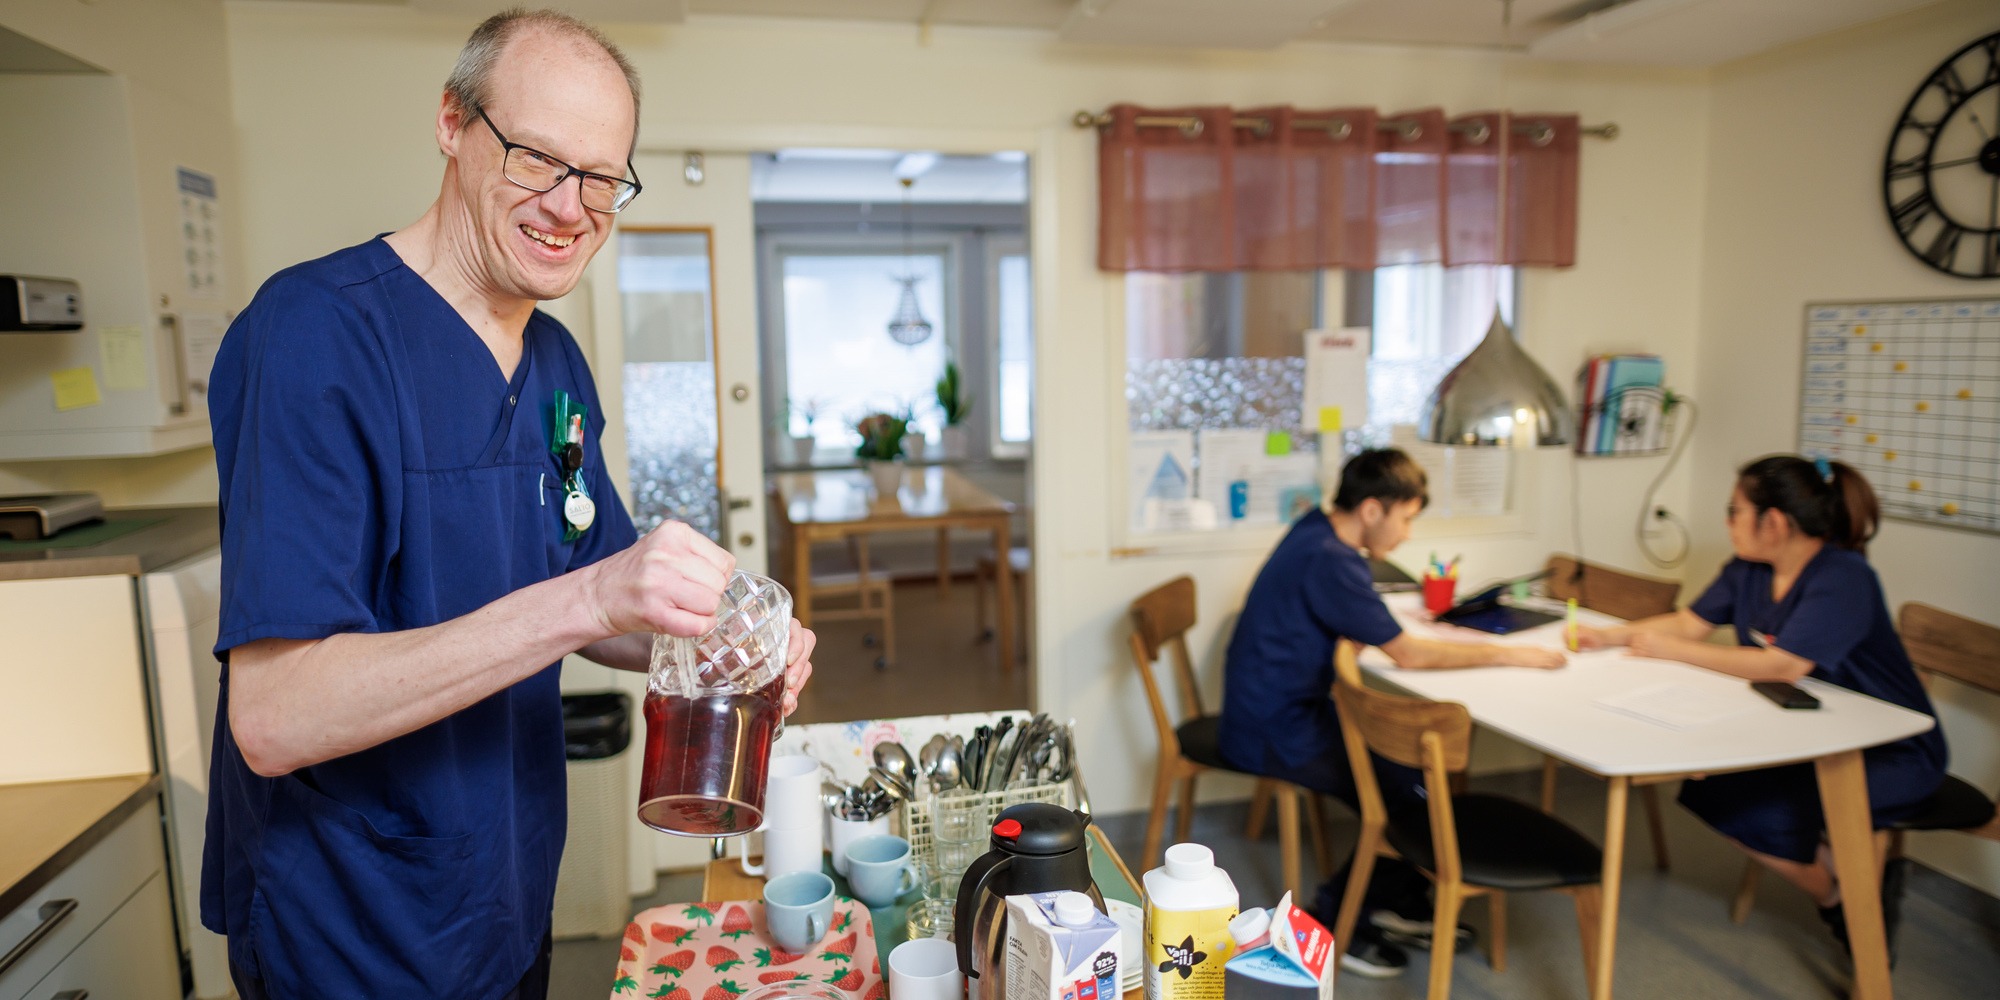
[1477, 133]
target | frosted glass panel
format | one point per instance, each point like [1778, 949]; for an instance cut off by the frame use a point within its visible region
[671, 433]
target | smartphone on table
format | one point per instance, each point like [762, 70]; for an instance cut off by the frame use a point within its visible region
[1786, 695]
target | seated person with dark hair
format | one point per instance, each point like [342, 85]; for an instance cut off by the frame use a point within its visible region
[1278, 718]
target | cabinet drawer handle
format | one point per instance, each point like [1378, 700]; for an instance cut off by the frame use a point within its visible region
[72, 995]
[53, 912]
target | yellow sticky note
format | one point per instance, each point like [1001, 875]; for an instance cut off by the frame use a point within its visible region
[1329, 419]
[76, 388]
[1277, 443]
[123, 351]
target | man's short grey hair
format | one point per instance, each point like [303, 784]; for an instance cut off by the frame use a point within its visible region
[471, 79]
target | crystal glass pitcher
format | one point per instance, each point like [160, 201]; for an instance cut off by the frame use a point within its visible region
[714, 706]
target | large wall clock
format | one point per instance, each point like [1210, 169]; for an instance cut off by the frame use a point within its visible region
[1941, 177]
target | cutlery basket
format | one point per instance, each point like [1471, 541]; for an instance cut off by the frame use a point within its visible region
[917, 814]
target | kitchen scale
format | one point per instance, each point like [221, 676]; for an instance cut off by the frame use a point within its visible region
[38, 516]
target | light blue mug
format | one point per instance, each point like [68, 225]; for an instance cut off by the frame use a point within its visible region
[798, 908]
[878, 869]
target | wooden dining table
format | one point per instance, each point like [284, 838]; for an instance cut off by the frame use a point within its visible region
[1584, 715]
[834, 504]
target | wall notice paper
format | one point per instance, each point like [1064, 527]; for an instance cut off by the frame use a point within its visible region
[123, 351]
[1161, 484]
[1336, 394]
[1464, 482]
[75, 388]
[1245, 484]
[1678, 705]
[201, 338]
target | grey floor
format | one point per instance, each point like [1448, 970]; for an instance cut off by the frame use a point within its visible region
[1674, 941]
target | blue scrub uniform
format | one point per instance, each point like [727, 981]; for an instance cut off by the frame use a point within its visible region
[378, 474]
[1277, 717]
[1834, 615]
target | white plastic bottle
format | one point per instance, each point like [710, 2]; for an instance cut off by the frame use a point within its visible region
[1189, 903]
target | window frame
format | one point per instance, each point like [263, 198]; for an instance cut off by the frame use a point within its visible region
[996, 245]
[774, 247]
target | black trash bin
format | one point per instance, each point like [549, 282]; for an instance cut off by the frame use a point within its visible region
[596, 726]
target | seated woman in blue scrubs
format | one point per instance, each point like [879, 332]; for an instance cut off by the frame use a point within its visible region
[1804, 603]
[1278, 717]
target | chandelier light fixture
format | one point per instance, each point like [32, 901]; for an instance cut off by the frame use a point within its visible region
[908, 326]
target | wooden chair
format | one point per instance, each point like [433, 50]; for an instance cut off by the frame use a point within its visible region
[1017, 564]
[1161, 619]
[1621, 595]
[872, 590]
[1943, 644]
[1468, 843]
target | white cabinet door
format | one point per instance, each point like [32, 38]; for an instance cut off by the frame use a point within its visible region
[74, 702]
[131, 957]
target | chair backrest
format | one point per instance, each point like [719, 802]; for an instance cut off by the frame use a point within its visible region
[1433, 736]
[1161, 618]
[1960, 648]
[1600, 588]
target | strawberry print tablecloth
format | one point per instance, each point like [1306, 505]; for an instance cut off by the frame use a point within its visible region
[718, 951]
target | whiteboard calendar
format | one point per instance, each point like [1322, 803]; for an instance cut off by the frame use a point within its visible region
[1909, 394]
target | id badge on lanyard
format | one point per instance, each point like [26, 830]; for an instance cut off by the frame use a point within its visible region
[567, 418]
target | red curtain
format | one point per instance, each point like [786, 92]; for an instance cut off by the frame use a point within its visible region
[1285, 189]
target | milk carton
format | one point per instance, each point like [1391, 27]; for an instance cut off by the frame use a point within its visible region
[1297, 963]
[1059, 947]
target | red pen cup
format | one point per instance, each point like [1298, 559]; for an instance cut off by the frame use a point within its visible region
[1440, 593]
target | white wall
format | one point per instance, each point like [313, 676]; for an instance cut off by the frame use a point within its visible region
[307, 77]
[1794, 214]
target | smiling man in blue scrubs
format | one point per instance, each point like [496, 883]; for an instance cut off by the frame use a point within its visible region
[412, 542]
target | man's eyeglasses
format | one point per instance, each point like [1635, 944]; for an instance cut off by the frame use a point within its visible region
[535, 170]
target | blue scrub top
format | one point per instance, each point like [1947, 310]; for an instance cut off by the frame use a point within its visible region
[1834, 615]
[378, 474]
[1277, 712]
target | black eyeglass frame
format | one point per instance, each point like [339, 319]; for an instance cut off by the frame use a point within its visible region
[507, 149]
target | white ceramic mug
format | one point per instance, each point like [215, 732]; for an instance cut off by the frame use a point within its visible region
[842, 832]
[925, 969]
[786, 850]
[791, 792]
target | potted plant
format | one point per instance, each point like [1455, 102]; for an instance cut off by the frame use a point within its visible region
[956, 405]
[801, 444]
[881, 447]
[914, 441]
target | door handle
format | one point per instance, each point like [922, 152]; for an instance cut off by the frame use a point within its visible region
[53, 913]
[72, 995]
[739, 503]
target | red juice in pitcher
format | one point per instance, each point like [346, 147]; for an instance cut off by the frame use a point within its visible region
[707, 758]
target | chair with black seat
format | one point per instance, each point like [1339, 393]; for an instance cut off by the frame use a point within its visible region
[1940, 644]
[1161, 619]
[1470, 844]
[1621, 595]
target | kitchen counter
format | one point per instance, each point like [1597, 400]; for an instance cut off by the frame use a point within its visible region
[180, 533]
[51, 824]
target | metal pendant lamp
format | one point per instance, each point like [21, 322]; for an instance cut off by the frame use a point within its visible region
[908, 326]
[1497, 396]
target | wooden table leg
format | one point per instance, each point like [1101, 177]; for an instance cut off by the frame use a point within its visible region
[1003, 590]
[944, 562]
[801, 578]
[1618, 792]
[1843, 794]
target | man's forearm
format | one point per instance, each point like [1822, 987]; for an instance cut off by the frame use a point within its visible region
[294, 703]
[631, 651]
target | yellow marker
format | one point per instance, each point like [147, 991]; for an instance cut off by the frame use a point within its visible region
[1876, 347]
[1915, 486]
[1902, 366]
[1923, 407]
[1572, 625]
[1871, 439]
[1965, 393]
[1851, 418]
[1888, 456]
[1949, 509]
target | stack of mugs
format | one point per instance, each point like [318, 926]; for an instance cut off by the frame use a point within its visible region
[793, 828]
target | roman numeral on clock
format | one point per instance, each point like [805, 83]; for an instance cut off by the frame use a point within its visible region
[1912, 211]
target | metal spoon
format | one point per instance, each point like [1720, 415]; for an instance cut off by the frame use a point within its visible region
[949, 771]
[893, 759]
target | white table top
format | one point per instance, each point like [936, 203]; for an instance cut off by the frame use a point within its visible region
[1557, 711]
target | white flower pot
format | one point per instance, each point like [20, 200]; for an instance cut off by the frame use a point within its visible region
[913, 447]
[887, 477]
[802, 449]
[953, 438]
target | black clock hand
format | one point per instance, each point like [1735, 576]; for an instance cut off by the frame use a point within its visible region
[1954, 163]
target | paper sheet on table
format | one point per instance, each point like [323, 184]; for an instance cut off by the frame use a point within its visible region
[1336, 393]
[1245, 484]
[1160, 487]
[1676, 705]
